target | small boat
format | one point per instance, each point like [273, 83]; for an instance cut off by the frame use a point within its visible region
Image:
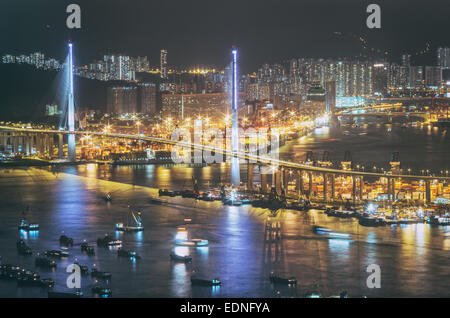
[342, 294]
[107, 197]
[166, 193]
[124, 253]
[101, 291]
[276, 279]
[23, 248]
[193, 242]
[205, 282]
[410, 221]
[189, 194]
[44, 262]
[65, 240]
[135, 226]
[88, 249]
[35, 282]
[372, 221]
[99, 274]
[107, 241]
[76, 294]
[10, 272]
[179, 258]
[330, 234]
[56, 254]
[438, 220]
[25, 226]
[83, 268]
[339, 213]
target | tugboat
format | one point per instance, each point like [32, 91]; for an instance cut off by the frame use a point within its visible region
[23, 248]
[24, 225]
[88, 249]
[136, 226]
[101, 291]
[276, 279]
[130, 254]
[56, 254]
[178, 258]
[100, 275]
[44, 262]
[205, 282]
[65, 240]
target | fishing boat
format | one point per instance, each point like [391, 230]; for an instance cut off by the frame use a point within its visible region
[134, 226]
[24, 225]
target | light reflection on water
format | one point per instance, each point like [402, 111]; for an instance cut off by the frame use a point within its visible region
[413, 258]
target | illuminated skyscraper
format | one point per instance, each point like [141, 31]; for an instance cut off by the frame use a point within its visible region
[163, 69]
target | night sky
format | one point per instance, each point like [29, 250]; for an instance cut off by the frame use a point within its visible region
[202, 32]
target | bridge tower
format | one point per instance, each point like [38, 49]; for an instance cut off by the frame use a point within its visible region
[235, 172]
[71, 110]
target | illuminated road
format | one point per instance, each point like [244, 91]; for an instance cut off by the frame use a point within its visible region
[246, 156]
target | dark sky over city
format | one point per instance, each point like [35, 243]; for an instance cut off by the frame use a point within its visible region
[201, 32]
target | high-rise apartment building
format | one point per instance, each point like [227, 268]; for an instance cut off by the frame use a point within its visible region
[148, 98]
[163, 65]
[443, 57]
[121, 99]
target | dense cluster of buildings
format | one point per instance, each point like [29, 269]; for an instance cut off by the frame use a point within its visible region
[36, 59]
[294, 84]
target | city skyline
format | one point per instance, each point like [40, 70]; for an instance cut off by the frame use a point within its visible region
[193, 36]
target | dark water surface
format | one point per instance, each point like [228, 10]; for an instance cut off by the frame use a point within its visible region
[414, 259]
